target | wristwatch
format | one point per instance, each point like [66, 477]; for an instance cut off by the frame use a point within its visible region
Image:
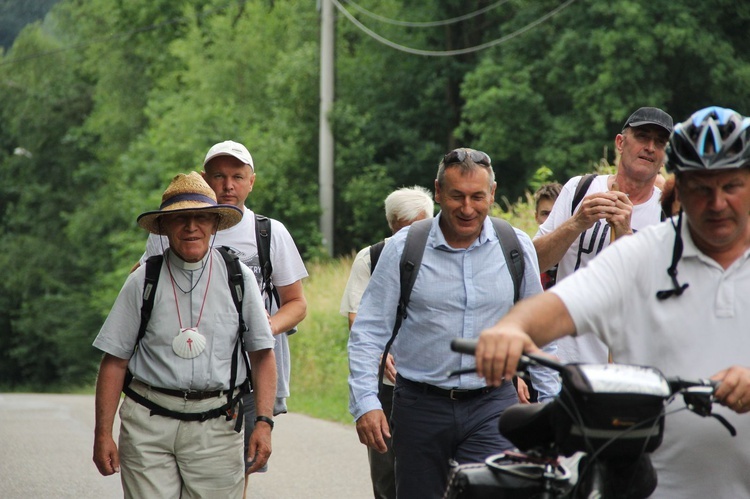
[264, 419]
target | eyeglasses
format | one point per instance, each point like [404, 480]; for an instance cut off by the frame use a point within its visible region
[459, 156]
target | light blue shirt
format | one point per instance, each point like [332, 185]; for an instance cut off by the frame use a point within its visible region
[458, 293]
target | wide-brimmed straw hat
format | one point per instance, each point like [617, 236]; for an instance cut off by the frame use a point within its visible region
[190, 193]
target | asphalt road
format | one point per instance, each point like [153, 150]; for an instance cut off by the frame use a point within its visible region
[46, 444]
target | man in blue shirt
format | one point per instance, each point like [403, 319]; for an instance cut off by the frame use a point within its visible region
[462, 287]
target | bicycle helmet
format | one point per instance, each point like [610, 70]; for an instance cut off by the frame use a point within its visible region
[714, 138]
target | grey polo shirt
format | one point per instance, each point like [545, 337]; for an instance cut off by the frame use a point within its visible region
[155, 362]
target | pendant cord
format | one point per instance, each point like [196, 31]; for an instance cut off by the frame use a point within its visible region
[175, 283]
[205, 294]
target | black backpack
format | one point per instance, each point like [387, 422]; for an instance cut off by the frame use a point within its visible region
[263, 240]
[237, 289]
[375, 251]
[411, 259]
[581, 190]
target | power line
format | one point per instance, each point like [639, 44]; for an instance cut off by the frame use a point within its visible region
[427, 24]
[448, 53]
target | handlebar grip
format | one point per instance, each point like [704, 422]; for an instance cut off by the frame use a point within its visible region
[462, 345]
[469, 347]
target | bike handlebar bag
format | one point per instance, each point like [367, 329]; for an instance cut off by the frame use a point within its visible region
[614, 409]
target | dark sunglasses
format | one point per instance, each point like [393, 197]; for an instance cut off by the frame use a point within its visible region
[459, 155]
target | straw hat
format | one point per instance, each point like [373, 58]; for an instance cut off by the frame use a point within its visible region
[190, 193]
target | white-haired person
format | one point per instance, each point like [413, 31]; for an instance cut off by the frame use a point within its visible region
[184, 375]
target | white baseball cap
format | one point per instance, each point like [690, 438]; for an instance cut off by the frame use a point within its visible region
[230, 148]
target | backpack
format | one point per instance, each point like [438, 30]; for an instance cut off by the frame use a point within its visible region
[581, 190]
[263, 240]
[411, 259]
[375, 251]
[236, 288]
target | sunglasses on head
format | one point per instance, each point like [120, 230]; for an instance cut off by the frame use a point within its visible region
[459, 156]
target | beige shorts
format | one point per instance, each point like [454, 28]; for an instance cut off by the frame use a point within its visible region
[168, 458]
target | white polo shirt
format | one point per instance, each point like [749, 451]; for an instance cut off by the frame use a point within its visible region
[695, 335]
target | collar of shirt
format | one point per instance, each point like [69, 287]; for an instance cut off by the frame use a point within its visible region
[438, 238]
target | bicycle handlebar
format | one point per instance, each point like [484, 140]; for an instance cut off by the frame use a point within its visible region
[612, 412]
[702, 386]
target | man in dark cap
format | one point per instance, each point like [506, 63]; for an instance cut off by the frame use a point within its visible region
[612, 206]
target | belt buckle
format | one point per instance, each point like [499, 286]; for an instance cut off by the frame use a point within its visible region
[455, 391]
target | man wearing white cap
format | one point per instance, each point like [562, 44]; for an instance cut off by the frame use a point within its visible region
[230, 171]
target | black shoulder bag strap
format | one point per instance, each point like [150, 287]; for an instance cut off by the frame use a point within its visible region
[513, 253]
[411, 259]
[153, 267]
[375, 251]
[263, 240]
[237, 289]
[581, 190]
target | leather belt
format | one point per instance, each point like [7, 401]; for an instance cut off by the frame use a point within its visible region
[189, 395]
[451, 393]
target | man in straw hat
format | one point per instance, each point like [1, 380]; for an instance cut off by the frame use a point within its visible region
[230, 172]
[187, 362]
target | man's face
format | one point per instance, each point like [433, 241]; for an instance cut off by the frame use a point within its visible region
[642, 151]
[717, 205]
[543, 209]
[189, 233]
[465, 200]
[231, 180]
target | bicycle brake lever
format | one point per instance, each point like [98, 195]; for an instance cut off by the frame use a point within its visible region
[726, 424]
[699, 399]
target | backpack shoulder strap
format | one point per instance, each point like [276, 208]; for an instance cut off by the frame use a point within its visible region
[375, 251]
[153, 268]
[513, 253]
[237, 290]
[236, 280]
[263, 240]
[581, 190]
[411, 259]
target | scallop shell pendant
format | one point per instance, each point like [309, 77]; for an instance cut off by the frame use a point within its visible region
[189, 343]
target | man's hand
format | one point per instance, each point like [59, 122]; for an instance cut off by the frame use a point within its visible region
[390, 368]
[259, 447]
[372, 428]
[734, 390]
[524, 397]
[498, 351]
[613, 206]
[106, 457]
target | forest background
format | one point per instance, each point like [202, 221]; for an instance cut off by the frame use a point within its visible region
[104, 101]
